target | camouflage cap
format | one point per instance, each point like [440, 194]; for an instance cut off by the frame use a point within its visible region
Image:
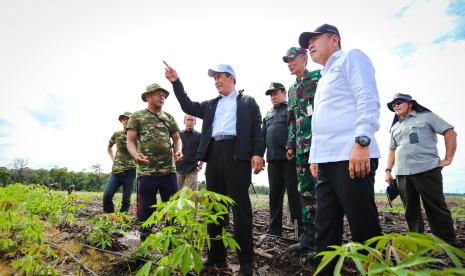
[274, 86]
[125, 114]
[294, 52]
[152, 88]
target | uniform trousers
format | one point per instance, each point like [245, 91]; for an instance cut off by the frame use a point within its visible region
[147, 189]
[429, 187]
[282, 177]
[306, 189]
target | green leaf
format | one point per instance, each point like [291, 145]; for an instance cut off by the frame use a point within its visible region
[176, 256]
[186, 261]
[198, 262]
[145, 269]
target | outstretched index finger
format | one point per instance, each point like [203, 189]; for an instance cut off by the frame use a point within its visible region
[166, 64]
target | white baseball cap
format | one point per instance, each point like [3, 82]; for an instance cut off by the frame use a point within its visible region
[222, 68]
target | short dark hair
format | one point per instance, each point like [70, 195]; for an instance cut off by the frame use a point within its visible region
[229, 75]
[185, 117]
[339, 38]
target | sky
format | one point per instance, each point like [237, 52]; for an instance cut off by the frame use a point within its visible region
[69, 68]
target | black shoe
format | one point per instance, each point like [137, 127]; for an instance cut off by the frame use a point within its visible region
[298, 248]
[245, 270]
[306, 241]
[211, 263]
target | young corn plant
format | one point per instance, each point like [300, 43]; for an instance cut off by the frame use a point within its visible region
[177, 246]
[105, 225]
[397, 254]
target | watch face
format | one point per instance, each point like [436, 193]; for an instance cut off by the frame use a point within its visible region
[363, 140]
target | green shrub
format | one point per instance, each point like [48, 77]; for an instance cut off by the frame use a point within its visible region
[396, 254]
[105, 225]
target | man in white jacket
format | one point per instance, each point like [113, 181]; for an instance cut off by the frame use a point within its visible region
[344, 153]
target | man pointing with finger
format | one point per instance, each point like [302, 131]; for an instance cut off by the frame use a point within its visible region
[344, 152]
[231, 144]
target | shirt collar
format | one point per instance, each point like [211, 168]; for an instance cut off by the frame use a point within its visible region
[330, 61]
[412, 113]
[305, 76]
[281, 104]
[233, 94]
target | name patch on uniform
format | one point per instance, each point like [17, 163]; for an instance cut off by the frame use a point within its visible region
[414, 138]
[310, 110]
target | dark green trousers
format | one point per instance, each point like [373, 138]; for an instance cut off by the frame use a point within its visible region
[427, 186]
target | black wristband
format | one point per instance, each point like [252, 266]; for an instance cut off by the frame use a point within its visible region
[387, 170]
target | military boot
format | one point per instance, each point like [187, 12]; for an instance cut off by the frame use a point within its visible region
[307, 239]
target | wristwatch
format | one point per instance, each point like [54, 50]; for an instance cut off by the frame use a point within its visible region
[362, 140]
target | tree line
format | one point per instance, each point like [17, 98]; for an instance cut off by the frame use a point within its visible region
[55, 178]
[60, 178]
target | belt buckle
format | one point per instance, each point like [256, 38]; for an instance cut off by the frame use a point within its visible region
[222, 137]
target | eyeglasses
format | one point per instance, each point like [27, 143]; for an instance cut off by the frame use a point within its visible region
[397, 103]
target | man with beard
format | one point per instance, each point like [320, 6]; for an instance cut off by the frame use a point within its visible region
[151, 130]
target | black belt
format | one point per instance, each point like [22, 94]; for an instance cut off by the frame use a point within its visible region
[223, 137]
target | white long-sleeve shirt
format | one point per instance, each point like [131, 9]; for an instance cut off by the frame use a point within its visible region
[224, 122]
[346, 106]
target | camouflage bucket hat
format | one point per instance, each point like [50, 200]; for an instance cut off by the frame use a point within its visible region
[294, 52]
[275, 86]
[152, 88]
[125, 114]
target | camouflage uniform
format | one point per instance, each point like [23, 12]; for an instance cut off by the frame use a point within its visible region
[300, 109]
[153, 140]
[123, 160]
[154, 131]
[123, 172]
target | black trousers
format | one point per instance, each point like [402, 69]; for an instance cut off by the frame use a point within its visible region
[231, 178]
[338, 195]
[282, 176]
[427, 186]
[147, 189]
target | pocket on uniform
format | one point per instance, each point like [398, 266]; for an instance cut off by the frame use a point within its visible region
[418, 132]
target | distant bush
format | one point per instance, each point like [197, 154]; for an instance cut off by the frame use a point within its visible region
[260, 190]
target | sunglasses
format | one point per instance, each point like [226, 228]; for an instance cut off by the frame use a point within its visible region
[397, 103]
